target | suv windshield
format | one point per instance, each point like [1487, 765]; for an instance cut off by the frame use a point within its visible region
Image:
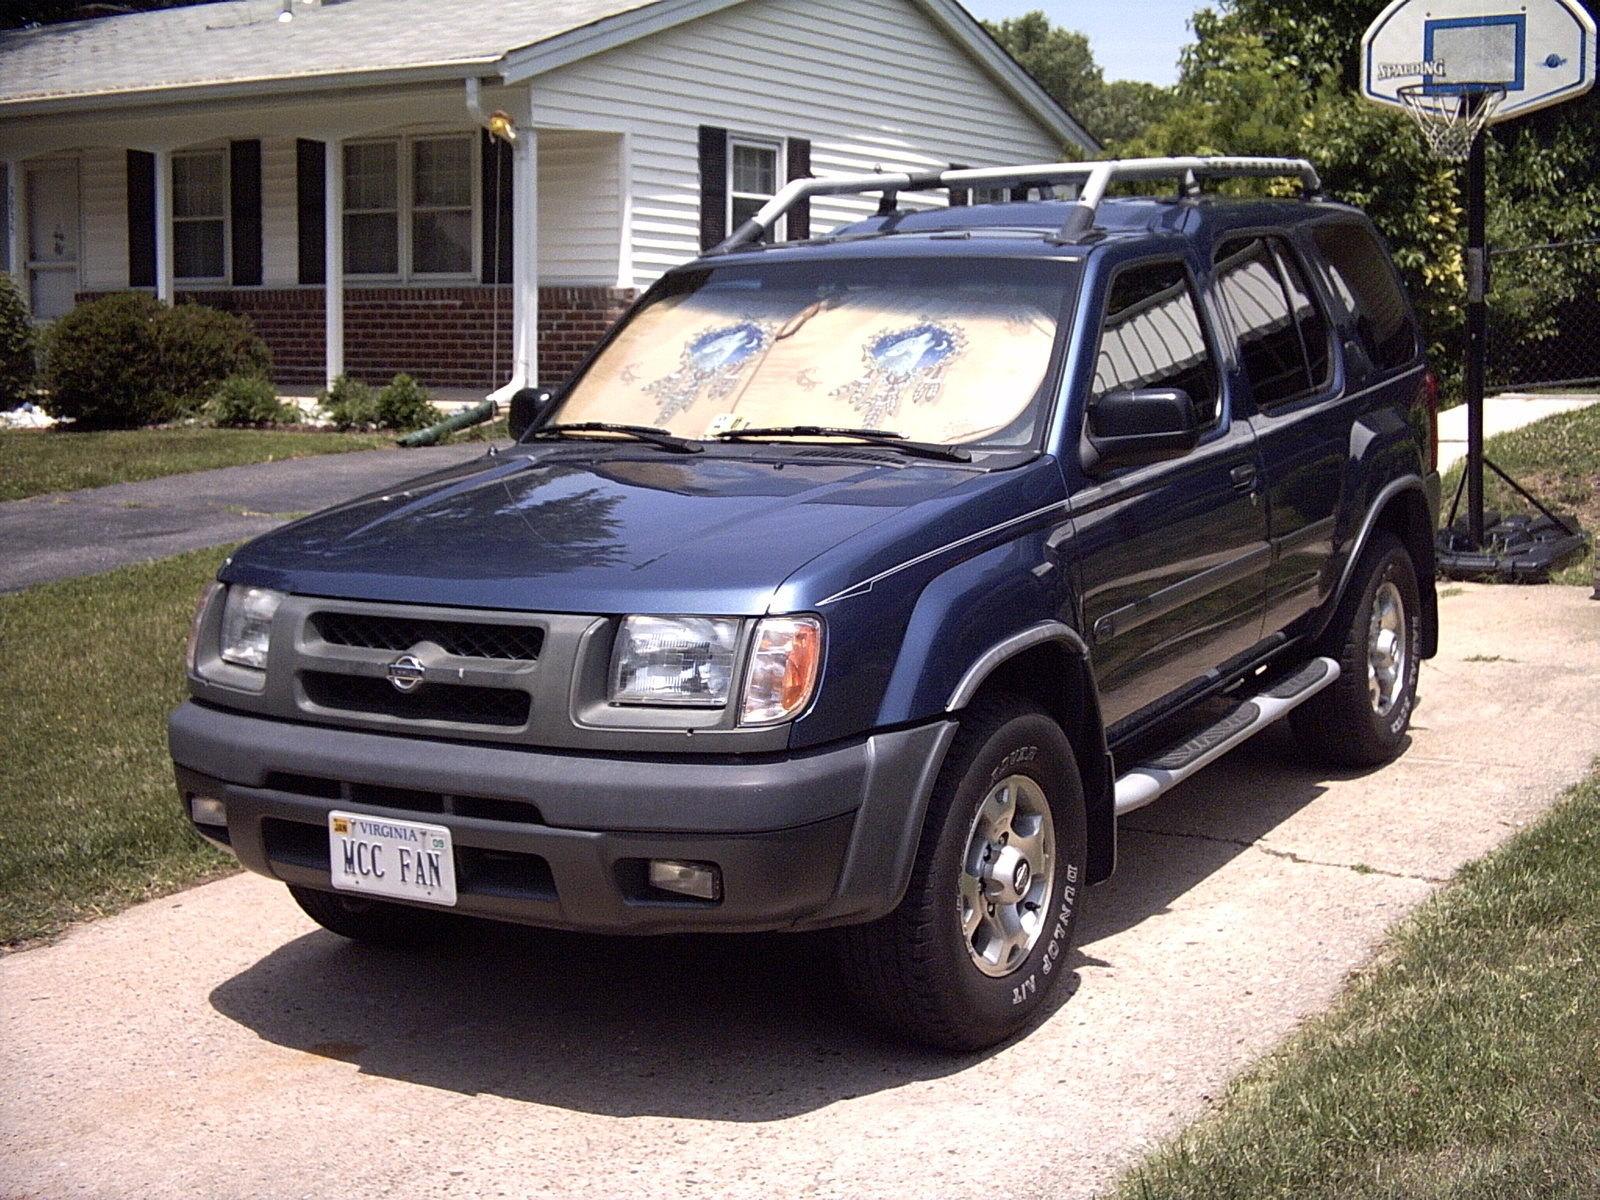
[943, 350]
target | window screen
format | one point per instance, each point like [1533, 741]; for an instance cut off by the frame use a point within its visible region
[1152, 338]
[199, 230]
[1283, 337]
[1361, 275]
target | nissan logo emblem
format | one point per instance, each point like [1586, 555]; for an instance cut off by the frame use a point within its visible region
[406, 673]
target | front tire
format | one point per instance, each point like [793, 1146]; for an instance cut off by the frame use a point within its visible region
[1376, 636]
[973, 950]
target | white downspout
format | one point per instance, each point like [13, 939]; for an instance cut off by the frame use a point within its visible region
[333, 258]
[164, 226]
[524, 251]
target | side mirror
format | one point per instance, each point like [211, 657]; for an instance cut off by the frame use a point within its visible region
[527, 406]
[1148, 425]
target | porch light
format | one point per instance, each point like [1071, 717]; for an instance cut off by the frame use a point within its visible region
[502, 126]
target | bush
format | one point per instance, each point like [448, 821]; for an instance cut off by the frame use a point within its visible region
[349, 404]
[401, 405]
[243, 401]
[127, 360]
[17, 364]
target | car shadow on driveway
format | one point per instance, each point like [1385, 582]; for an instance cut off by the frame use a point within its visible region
[724, 1028]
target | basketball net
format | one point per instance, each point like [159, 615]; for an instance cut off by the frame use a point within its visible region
[1450, 121]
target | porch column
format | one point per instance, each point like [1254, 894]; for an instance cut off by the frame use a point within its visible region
[625, 211]
[164, 226]
[525, 255]
[333, 246]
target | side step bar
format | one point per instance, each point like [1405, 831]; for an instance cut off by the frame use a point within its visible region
[1149, 780]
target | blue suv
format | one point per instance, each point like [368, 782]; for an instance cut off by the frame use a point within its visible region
[857, 584]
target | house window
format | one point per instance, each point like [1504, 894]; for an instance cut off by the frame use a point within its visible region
[199, 215]
[412, 222]
[752, 180]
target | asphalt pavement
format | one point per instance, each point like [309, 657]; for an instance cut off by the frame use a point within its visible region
[63, 535]
[216, 1043]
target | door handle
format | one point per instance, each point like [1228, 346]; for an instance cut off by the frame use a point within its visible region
[1243, 477]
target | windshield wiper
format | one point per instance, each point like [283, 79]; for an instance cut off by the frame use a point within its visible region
[876, 437]
[644, 433]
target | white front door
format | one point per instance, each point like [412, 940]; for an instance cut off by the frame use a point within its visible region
[52, 200]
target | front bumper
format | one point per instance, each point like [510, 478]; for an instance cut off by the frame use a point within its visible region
[803, 840]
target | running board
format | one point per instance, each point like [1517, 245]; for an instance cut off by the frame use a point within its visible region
[1150, 779]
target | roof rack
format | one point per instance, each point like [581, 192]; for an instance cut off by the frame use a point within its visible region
[1092, 178]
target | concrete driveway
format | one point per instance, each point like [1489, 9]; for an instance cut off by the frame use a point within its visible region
[216, 1044]
[63, 535]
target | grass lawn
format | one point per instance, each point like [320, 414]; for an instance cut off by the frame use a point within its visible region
[37, 461]
[1558, 460]
[1463, 1064]
[89, 818]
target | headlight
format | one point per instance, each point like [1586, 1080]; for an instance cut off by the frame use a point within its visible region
[674, 660]
[191, 652]
[247, 625]
[784, 664]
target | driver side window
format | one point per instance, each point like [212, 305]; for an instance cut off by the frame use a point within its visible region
[1151, 337]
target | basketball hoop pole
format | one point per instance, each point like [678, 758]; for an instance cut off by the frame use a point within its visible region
[1477, 266]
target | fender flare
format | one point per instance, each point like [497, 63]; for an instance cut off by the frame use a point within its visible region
[1358, 544]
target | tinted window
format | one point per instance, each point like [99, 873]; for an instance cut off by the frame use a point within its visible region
[1283, 336]
[1151, 337]
[1360, 273]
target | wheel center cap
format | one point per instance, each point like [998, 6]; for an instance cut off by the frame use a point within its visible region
[1008, 876]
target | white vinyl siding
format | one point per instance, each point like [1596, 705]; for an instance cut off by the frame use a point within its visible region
[767, 69]
[579, 215]
[280, 215]
[103, 177]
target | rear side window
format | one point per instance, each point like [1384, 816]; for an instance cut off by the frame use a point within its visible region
[1361, 275]
[1151, 337]
[1283, 335]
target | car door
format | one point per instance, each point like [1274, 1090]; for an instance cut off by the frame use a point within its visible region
[1301, 421]
[1173, 555]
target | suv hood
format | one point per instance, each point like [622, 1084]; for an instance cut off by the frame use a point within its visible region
[618, 529]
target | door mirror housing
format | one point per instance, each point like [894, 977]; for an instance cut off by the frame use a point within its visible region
[1134, 428]
[527, 406]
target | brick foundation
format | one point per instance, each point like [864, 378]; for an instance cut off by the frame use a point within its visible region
[457, 337]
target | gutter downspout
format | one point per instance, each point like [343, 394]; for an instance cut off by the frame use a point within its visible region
[524, 250]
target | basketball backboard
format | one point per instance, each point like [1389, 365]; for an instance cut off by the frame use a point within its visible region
[1540, 52]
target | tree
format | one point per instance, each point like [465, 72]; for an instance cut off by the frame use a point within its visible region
[1062, 63]
[19, 14]
[16, 345]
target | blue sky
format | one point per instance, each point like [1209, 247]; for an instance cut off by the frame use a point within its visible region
[1131, 39]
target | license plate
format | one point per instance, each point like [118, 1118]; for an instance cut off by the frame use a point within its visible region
[383, 857]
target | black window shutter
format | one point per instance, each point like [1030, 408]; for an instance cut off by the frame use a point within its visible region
[713, 185]
[496, 185]
[244, 181]
[141, 219]
[799, 168]
[311, 167]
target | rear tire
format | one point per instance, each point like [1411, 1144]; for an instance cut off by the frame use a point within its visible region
[972, 952]
[1376, 635]
[376, 922]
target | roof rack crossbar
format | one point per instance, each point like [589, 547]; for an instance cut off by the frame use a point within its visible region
[1092, 179]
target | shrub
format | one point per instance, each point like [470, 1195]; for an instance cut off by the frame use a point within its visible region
[241, 401]
[349, 404]
[403, 406]
[127, 360]
[17, 364]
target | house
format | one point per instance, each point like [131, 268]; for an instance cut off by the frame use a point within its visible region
[327, 167]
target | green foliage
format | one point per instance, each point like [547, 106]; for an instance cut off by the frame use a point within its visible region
[127, 360]
[17, 345]
[249, 401]
[401, 405]
[1064, 66]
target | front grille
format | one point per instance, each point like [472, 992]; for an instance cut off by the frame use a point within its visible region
[488, 808]
[369, 696]
[516, 643]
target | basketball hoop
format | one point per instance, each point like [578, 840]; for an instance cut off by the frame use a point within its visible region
[1450, 121]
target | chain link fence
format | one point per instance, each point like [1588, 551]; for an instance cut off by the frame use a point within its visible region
[1544, 316]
